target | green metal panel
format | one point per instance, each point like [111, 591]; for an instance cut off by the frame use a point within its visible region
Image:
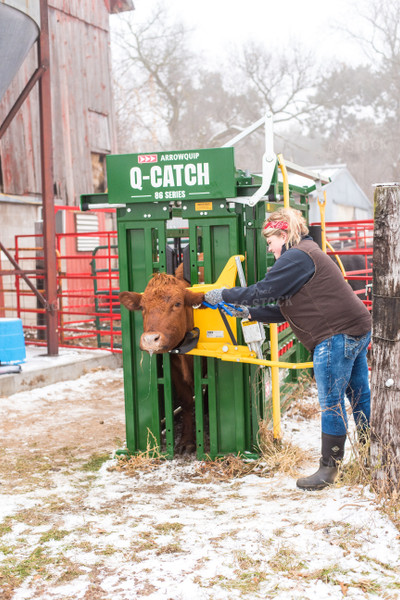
[168, 404]
[128, 342]
[212, 408]
[219, 243]
[199, 407]
[138, 258]
[231, 425]
[181, 175]
[227, 415]
[139, 370]
[231, 393]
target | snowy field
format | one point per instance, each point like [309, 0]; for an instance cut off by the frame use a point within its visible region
[73, 527]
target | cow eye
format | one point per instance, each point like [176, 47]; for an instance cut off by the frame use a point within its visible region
[178, 304]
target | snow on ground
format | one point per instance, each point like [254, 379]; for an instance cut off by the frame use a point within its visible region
[72, 529]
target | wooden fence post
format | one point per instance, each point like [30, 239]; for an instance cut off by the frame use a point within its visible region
[385, 376]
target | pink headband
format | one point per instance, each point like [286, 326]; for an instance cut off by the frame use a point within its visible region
[277, 225]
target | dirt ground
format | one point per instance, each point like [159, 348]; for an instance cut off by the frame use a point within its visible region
[76, 525]
[62, 421]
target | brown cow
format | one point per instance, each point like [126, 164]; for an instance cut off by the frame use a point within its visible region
[166, 305]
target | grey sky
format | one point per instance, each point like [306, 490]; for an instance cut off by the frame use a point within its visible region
[220, 24]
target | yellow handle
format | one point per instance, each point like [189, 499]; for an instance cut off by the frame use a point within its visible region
[286, 195]
[322, 206]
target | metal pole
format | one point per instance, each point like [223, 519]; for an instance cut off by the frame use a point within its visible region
[244, 133]
[21, 99]
[46, 144]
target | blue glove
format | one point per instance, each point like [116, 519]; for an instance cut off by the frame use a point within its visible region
[242, 312]
[214, 296]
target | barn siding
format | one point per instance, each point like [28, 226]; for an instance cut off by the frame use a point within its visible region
[20, 147]
[81, 88]
[93, 12]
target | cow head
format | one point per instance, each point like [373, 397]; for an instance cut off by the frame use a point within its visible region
[166, 305]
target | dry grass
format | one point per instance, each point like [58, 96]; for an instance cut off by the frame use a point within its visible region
[304, 410]
[225, 468]
[375, 473]
[275, 455]
[278, 455]
[140, 462]
[285, 560]
[357, 470]
[297, 402]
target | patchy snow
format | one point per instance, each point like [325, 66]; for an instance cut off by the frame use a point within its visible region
[173, 532]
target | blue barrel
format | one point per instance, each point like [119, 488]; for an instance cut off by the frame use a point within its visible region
[12, 342]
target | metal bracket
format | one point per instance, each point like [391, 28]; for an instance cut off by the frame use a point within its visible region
[320, 195]
[268, 160]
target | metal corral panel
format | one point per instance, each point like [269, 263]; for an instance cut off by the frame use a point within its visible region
[18, 32]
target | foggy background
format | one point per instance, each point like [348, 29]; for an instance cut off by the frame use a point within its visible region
[193, 74]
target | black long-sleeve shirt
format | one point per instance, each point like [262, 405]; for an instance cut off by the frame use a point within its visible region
[285, 278]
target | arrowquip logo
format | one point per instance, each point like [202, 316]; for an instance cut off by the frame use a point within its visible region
[147, 158]
[177, 175]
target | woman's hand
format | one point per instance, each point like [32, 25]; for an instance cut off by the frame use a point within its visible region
[214, 296]
[240, 311]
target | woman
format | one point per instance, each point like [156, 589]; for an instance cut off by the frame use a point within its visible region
[309, 292]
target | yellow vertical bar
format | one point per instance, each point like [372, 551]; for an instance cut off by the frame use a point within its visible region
[324, 243]
[276, 399]
[283, 169]
[322, 214]
[273, 328]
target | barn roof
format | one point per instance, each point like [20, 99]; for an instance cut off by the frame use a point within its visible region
[343, 188]
[117, 6]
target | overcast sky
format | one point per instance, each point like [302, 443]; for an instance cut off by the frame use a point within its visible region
[220, 24]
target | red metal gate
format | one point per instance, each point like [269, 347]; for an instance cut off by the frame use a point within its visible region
[88, 283]
[87, 291]
[352, 243]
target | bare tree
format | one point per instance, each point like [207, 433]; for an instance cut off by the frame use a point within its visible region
[382, 46]
[359, 107]
[280, 81]
[153, 69]
[166, 98]
[379, 34]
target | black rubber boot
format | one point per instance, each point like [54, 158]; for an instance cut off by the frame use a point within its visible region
[332, 453]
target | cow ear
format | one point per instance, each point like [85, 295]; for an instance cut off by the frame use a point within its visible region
[132, 300]
[193, 298]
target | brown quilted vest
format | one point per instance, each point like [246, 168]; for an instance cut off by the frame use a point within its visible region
[326, 305]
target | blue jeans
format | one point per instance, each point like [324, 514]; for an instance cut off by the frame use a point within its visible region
[341, 369]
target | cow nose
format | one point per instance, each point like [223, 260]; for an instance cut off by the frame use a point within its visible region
[150, 338]
[151, 341]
